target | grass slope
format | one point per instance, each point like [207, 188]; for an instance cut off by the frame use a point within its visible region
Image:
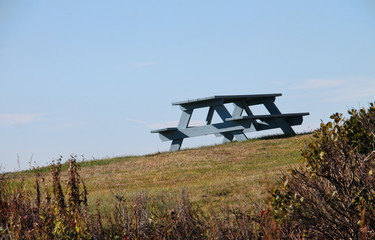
[224, 174]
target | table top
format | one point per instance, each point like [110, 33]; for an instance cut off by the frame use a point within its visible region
[228, 98]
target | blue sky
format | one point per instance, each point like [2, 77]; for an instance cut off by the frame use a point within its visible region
[95, 77]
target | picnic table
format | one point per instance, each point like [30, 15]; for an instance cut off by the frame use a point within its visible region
[232, 126]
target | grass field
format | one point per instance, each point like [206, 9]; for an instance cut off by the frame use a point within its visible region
[229, 174]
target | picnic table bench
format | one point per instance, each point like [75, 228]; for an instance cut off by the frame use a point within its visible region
[233, 126]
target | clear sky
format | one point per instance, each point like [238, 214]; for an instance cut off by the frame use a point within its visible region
[95, 77]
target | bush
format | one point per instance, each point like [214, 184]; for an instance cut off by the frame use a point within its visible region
[60, 211]
[26, 215]
[332, 195]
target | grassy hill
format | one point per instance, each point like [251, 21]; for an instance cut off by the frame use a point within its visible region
[224, 174]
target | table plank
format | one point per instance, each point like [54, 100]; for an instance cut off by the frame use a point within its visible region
[227, 98]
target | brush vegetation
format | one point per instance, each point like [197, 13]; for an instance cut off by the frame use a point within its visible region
[209, 192]
[218, 192]
[224, 174]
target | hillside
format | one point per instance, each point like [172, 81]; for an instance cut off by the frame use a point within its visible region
[229, 173]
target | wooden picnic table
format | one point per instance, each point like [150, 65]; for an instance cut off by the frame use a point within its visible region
[233, 126]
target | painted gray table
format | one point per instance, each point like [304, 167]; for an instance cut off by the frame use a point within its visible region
[233, 126]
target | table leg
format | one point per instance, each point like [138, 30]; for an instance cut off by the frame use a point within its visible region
[237, 112]
[238, 109]
[284, 125]
[210, 115]
[183, 123]
[176, 145]
[224, 114]
[250, 113]
[228, 137]
[239, 135]
[185, 118]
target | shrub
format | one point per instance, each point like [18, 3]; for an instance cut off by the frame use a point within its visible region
[60, 211]
[26, 215]
[332, 195]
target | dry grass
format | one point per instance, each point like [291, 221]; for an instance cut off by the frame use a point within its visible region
[213, 176]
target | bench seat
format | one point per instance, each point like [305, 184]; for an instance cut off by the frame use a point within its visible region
[267, 116]
[270, 121]
[167, 134]
[170, 129]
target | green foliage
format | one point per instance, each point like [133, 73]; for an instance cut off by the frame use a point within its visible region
[332, 194]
